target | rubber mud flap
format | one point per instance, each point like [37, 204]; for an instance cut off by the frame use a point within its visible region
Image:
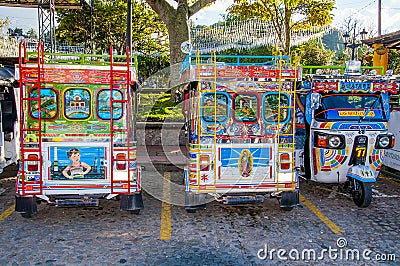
[290, 199]
[131, 202]
[195, 201]
[25, 205]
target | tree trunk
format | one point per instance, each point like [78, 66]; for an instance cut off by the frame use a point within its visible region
[178, 31]
[287, 17]
[176, 20]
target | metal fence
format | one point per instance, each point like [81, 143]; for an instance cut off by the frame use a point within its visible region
[9, 46]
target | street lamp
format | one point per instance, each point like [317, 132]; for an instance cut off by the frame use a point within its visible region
[350, 41]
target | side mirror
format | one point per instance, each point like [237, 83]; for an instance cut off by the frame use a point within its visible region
[315, 100]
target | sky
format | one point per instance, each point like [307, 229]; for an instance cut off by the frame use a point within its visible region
[365, 11]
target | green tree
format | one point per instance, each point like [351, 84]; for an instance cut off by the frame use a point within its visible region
[176, 20]
[108, 27]
[31, 33]
[150, 64]
[73, 27]
[394, 61]
[4, 22]
[313, 53]
[261, 50]
[15, 32]
[285, 15]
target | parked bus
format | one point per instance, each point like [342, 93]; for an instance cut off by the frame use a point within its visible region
[239, 117]
[346, 118]
[77, 131]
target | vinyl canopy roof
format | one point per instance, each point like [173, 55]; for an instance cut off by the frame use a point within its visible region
[391, 40]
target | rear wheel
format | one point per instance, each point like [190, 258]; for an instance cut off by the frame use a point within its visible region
[135, 212]
[26, 215]
[307, 155]
[287, 208]
[362, 194]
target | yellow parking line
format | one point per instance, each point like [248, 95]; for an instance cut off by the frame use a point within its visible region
[7, 213]
[391, 181]
[165, 227]
[334, 228]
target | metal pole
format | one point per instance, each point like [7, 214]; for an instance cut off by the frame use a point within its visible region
[353, 45]
[379, 17]
[129, 27]
[47, 32]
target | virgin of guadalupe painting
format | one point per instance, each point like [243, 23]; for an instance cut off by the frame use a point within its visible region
[245, 163]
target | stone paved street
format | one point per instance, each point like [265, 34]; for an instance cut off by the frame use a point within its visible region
[220, 235]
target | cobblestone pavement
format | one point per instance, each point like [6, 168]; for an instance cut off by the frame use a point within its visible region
[220, 235]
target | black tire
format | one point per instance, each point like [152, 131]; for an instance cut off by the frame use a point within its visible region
[26, 215]
[362, 195]
[191, 210]
[288, 209]
[307, 154]
[137, 212]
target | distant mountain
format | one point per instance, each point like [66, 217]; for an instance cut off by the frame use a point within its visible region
[333, 40]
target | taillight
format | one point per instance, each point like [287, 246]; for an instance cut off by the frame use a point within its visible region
[329, 141]
[284, 159]
[33, 162]
[321, 141]
[204, 162]
[121, 161]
